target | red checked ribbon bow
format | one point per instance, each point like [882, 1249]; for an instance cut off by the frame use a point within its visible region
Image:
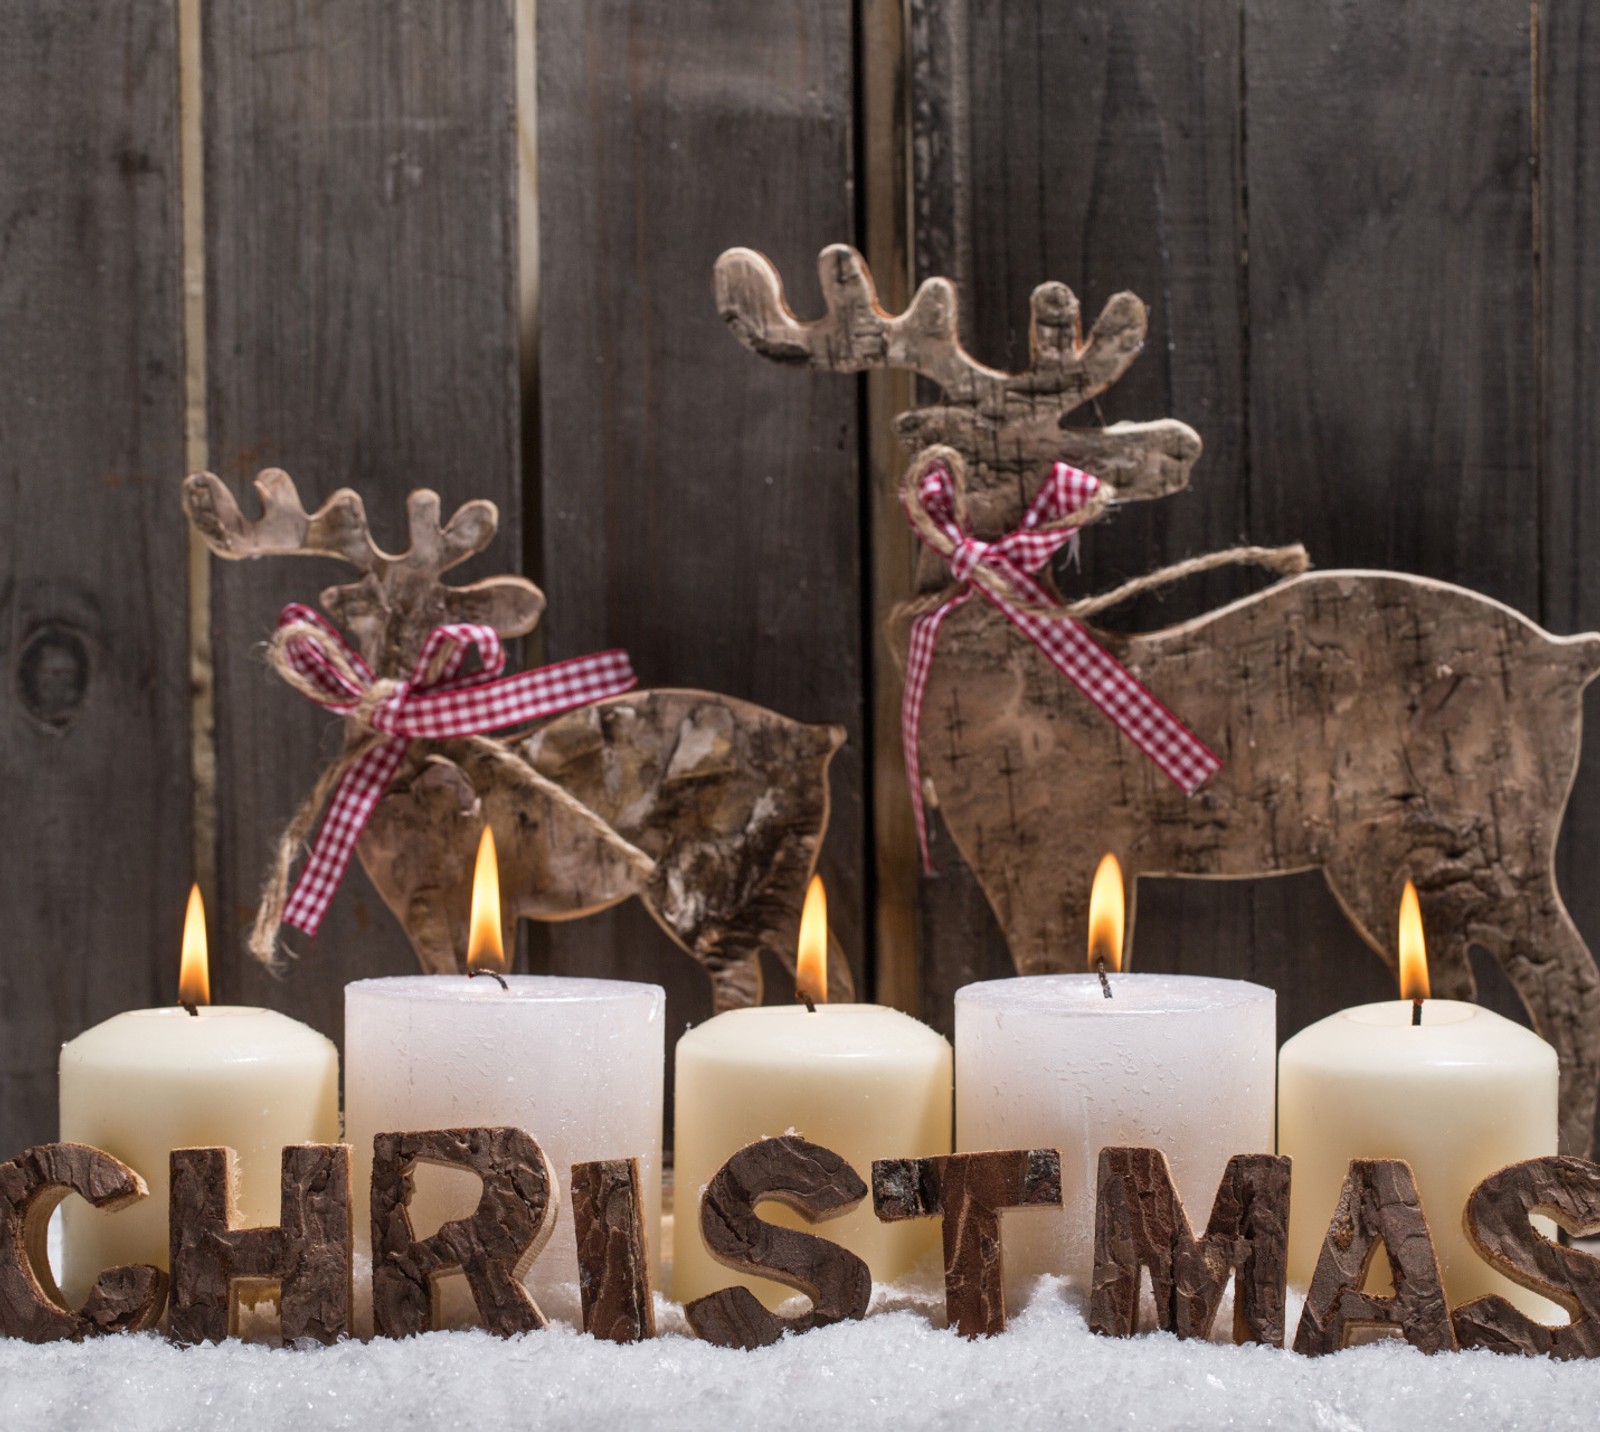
[437, 702]
[1095, 672]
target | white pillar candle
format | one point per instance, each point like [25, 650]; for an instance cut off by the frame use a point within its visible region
[152, 1080]
[1179, 1063]
[863, 1080]
[1459, 1095]
[576, 1063]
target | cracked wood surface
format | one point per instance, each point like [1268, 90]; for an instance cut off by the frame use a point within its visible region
[1140, 1222]
[613, 1252]
[967, 1192]
[32, 1185]
[1378, 1205]
[710, 810]
[308, 1255]
[1566, 1189]
[804, 1176]
[493, 1246]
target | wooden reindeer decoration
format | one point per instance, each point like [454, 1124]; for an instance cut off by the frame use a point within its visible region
[1370, 724]
[709, 809]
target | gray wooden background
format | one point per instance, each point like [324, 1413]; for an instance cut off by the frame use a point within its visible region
[287, 233]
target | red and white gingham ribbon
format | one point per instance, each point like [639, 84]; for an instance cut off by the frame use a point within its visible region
[437, 702]
[1100, 676]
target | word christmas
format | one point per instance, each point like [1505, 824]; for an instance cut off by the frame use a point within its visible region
[1140, 1222]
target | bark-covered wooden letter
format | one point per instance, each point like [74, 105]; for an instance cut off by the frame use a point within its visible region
[307, 1255]
[1140, 1221]
[1566, 1189]
[818, 1183]
[494, 1246]
[613, 1252]
[967, 1191]
[31, 1306]
[1378, 1204]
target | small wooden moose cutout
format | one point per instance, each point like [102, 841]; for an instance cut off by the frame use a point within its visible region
[1372, 725]
[709, 809]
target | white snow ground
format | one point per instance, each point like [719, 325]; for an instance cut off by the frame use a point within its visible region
[896, 1369]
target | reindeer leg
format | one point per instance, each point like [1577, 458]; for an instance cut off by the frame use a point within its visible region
[735, 985]
[1367, 886]
[1526, 927]
[1545, 957]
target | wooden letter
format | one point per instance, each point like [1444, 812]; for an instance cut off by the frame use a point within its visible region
[613, 1253]
[307, 1254]
[807, 1177]
[494, 1247]
[1139, 1221]
[31, 1306]
[1378, 1204]
[1568, 1190]
[968, 1191]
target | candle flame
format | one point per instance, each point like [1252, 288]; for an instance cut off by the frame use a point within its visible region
[1413, 948]
[485, 949]
[811, 960]
[194, 966]
[1107, 914]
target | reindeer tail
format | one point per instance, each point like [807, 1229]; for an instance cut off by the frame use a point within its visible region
[1584, 651]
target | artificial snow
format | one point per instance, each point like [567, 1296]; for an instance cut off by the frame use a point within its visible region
[898, 1368]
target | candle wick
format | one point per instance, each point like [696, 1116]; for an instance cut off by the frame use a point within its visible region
[472, 974]
[193, 1012]
[811, 1004]
[1416, 1012]
[1105, 984]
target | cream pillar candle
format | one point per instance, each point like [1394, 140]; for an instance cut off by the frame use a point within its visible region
[151, 1080]
[1455, 1090]
[577, 1063]
[1179, 1063]
[863, 1080]
[1458, 1096]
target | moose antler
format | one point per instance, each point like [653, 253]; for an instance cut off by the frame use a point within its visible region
[399, 598]
[858, 333]
[1010, 427]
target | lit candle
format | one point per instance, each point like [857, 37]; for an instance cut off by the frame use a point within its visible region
[1455, 1090]
[863, 1080]
[577, 1063]
[153, 1080]
[1082, 1062]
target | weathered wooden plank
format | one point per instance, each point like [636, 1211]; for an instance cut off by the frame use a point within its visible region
[700, 507]
[93, 623]
[1391, 286]
[1391, 347]
[362, 321]
[1097, 144]
[882, 54]
[1568, 506]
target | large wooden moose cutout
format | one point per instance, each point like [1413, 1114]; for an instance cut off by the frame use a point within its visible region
[1372, 725]
[709, 809]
